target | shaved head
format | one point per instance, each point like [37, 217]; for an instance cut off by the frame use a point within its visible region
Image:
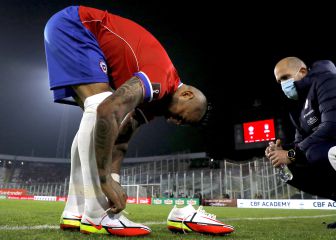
[289, 67]
[199, 101]
[188, 105]
[291, 62]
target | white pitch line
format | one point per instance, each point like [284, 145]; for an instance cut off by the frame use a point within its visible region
[39, 227]
[280, 218]
[36, 227]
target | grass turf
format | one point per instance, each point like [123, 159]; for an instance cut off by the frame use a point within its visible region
[249, 223]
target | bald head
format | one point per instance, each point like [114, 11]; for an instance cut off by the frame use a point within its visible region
[290, 67]
[199, 101]
[188, 105]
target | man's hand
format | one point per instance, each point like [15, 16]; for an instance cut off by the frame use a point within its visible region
[276, 154]
[272, 147]
[115, 193]
[278, 157]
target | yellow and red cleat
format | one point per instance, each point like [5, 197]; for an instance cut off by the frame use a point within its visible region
[117, 225]
[70, 221]
[188, 219]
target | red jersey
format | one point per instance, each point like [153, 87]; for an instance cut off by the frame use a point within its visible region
[129, 50]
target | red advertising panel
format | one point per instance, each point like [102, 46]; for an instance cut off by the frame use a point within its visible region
[145, 200]
[23, 197]
[61, 199]
[259, 131]
[141, 200]
[131, 200]
[13, 191]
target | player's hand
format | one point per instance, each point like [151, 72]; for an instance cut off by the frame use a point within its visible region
[278, 157]
[115, 193]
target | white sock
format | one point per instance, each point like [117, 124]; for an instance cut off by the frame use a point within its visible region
[95, 200]
[75, 202]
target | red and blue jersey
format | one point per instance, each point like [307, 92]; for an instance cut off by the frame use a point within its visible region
[129, 50]
[86, 45]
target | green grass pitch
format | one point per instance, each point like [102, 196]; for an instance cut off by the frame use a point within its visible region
[18, 218]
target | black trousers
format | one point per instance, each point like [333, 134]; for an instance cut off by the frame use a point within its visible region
[315, 180]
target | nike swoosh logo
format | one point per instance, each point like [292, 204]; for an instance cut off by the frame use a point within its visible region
[79, 216]
[98, 227]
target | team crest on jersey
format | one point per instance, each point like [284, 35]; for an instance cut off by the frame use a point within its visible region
[103, 66]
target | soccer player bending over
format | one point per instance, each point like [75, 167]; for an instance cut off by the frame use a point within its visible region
[121, 77]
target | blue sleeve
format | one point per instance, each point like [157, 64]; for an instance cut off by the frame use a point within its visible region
[326, 131]
[147, 86]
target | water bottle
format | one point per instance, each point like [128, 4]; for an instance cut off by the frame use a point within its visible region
[284, 173]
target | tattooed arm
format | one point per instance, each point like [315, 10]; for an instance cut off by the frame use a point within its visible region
[110, 114]
[126, 131]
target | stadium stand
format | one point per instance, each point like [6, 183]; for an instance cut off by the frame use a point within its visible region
[178, 175]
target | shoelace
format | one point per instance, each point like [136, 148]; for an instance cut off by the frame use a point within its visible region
[183, 223]
[124, 211]
[183, 219]
[201, 210]
[106, 214]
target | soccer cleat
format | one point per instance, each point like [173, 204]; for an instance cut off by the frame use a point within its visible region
[176, 219]
[70, 221]
[188, 219]
[117, 225]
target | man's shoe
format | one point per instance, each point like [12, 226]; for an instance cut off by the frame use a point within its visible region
[177, 217]
[331, 225]
[70, 221]
[188, 219]
[113, 224]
